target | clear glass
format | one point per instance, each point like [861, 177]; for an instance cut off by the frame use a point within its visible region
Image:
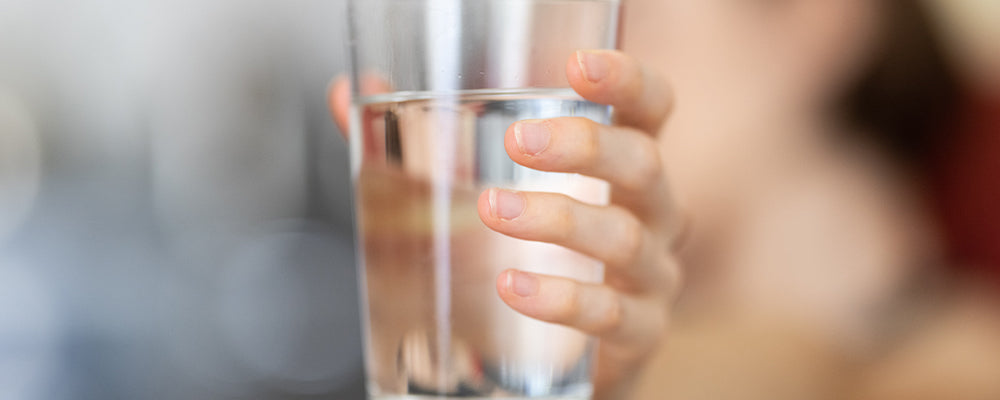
[436, 83]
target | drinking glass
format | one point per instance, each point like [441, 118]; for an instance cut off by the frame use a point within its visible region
[435, 85]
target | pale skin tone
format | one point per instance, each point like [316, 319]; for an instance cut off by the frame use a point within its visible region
[633, 235]
[797, 237]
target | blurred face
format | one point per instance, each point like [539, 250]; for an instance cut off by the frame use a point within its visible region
[753, 81]
[759, 56]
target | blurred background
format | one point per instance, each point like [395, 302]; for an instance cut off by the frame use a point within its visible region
[175, 200]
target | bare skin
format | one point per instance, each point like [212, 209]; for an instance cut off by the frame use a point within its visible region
[798, 236]
[633, 236]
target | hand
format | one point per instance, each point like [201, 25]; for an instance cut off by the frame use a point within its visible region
[633, 236]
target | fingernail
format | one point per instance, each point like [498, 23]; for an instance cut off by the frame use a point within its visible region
[506, 204]
[532, 137]
[522, 284]
[594, 65]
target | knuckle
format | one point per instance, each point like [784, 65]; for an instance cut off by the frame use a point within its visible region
[660, 83]
[635, 85]
[648, 166]
[611, 317]
[631, 244]
[553, 219]
[568, 312]
[652, 166]
[666, 276]
[589, 133]
[658, 95]
[563, 223]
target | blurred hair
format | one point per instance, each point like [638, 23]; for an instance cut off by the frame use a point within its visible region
[908, 95]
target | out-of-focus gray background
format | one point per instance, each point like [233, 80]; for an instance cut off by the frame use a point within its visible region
[174, 202]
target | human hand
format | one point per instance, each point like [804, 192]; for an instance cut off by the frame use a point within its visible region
[633, 236]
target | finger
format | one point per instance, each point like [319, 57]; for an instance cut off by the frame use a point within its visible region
[594, 309]
[339, 100]
[628, 159]
[610, 234]
[641, 97]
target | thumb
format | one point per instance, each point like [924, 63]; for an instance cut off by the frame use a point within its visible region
[339, 100]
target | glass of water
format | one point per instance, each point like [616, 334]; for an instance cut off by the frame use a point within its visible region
[435, 85]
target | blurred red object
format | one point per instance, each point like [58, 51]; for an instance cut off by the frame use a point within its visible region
[968, 189]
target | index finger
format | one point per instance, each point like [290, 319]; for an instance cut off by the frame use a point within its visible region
[641, 97]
